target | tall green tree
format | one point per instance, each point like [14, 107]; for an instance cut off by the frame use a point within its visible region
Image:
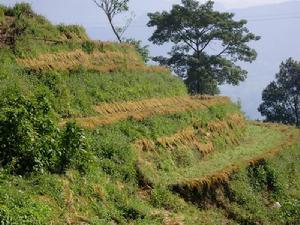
[281, 98]
[195, 30]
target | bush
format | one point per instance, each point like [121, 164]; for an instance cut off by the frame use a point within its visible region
[142, 50]
[88, 46]
[30, 140]
[74, 151]
[263, 177]
[163, 198]
[22, 9]
[28, 135]
[73, 31]
[291, 212]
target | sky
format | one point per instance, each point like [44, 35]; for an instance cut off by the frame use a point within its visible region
[228, 4]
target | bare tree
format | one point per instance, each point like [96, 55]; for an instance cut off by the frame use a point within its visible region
[111, 8]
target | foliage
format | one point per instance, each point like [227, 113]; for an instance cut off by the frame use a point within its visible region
[74, 92]
[291, 212]
[73, 32]
[22, 9]
[74, 149]
[281, 98]
[193, 27]
[264, 178]
[1, 15]
[70, 95]
[28, 135]
[88, 46]
[142, 50]
[111, 8]
[30, 140]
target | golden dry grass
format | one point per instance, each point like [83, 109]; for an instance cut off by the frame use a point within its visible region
[191, 136]
[104, 62]
[208, 181]
[139, 110]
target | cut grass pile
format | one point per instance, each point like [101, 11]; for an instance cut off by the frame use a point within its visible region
[103, 62]
[110, 113]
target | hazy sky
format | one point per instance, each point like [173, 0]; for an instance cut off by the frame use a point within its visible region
[246, 3]
[226, 3]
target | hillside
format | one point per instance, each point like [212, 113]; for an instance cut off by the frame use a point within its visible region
[89, 134]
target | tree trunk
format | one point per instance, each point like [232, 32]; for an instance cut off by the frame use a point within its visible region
[296, 102]
[114, 29]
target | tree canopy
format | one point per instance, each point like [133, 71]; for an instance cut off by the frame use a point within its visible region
[207, 45]
[281, 98]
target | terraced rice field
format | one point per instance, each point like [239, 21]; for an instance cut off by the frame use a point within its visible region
[103, 62]
[259, 142]
[139, 110]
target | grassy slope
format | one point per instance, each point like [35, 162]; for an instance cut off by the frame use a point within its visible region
[75, 90]
[110, 191]
[257, 141]
[127, 185]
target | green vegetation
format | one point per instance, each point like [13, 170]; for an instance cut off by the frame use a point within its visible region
[111, 192]
[31, 141]
[257, 141]
[178, 160]
[1, 15]
[281, 98]
[195, 29]
[76, 91]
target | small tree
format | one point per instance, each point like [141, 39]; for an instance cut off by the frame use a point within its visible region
[196, 29]
[142, 50]
[281, 98]
[111, 8]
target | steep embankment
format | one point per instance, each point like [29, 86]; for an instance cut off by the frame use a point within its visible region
[145, 151]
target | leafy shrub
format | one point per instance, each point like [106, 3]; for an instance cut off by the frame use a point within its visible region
[291, 212]
[30, 140]
[28, 136]
[142, 50]
[263, 177]
[22, 9]
[74, 151]
[163, 198]
[116, 154]
[72, 31]
[88, 46]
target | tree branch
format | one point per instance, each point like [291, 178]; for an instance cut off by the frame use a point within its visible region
[223, 51]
